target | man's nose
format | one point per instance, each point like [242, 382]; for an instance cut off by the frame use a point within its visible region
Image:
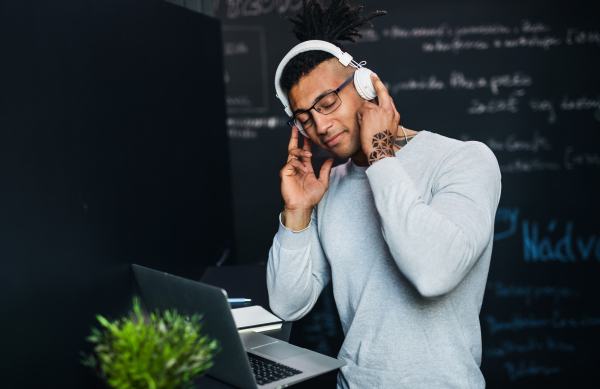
[322, 123]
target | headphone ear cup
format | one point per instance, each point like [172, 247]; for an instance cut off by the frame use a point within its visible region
[364, 85]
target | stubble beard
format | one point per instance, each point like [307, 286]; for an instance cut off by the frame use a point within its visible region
[351, 148]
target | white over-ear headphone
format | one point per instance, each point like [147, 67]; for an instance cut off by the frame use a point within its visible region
[362, 76]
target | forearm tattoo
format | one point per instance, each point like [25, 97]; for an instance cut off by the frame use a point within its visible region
[401, 141]
[383, 142]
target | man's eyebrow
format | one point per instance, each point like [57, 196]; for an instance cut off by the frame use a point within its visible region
[319, 97]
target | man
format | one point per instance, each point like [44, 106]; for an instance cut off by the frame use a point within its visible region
[404, 230]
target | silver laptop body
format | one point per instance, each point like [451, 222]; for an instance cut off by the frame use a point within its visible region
[164, 291]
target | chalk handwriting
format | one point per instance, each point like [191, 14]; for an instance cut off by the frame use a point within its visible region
[396, 32]
[528, 27]
[484, 29]
[507, 348]
[456, 45]
[245, 128]
[559, 322]
[573, 159]
[516, 323]
[538, 248]
[577, 37]
[529, 369]
[369, 35]
[531, 293]
[257, 122]
[546, 42]
[424, 83]
[246, 133]
[238, 101]
[537, 105]
[446, 38]
[509, 104]
[516, 80]
[245, 8]
[581, 104]
[235, 48]
[512, 143]
[519, 323]
[506, 215]
[528, 165]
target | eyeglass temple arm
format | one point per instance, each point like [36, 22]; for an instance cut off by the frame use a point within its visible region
[345, 83]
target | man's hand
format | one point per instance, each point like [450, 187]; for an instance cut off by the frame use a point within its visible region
[378, 124]
[300, 187]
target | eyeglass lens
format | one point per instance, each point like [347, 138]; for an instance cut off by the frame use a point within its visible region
[326, 105]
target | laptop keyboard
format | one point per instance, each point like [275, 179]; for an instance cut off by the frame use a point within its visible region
[266, 371]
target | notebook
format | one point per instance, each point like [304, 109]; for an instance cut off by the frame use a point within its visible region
[255, 318]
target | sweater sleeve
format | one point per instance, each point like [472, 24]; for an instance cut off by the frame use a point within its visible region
[435, 245]
[297, 271]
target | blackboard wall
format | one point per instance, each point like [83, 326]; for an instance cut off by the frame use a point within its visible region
[521, 77]
[111, 153]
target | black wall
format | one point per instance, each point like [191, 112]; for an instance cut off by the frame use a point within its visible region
[112, 151]
[520, 76]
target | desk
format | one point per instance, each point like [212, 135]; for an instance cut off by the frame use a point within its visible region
[250, 281]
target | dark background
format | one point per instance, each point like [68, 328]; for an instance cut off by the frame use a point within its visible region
[114, 137]
[519, 76]
[113, 151]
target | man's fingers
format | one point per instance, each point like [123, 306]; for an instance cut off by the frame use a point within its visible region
[382, 93]
[299, 154]
[293, 167]
[396, 113]
[307, 144]
[306, 152]
[293, 140]
[325, 171]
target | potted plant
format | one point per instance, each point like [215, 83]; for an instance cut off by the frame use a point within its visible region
[166, 352]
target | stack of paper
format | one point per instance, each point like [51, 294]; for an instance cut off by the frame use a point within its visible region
[256, 319]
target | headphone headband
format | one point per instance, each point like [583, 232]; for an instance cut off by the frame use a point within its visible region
[362, 78]
[344, 58]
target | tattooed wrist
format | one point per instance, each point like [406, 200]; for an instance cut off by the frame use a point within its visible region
[383, 145]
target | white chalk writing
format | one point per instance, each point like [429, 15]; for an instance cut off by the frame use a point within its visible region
[235, 48]
[507, 348]
[509, 104]
[513, 144]
[528, 165]
[519, 323]
[516, 80]
[573, 159]
[242, 134]
[531, 293]
[529, 369]
[581, 104]
[577, 37]
[424, 83]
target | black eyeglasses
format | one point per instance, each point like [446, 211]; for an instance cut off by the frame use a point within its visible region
[325, 105]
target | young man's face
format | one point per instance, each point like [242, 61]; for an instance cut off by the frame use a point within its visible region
[339, 131]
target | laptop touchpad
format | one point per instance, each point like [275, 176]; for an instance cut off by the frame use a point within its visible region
[280, 351]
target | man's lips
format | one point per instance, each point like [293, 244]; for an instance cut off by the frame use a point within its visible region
[334, 140]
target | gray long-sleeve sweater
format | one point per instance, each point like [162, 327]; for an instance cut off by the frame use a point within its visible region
[407, 244]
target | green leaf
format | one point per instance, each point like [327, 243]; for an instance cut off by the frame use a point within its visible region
[166, 352]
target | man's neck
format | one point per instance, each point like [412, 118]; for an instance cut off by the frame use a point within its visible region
[360, 159]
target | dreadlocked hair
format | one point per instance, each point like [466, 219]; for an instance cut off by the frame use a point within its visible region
[338, 22]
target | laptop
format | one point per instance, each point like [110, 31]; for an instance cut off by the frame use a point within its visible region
[247, 360]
